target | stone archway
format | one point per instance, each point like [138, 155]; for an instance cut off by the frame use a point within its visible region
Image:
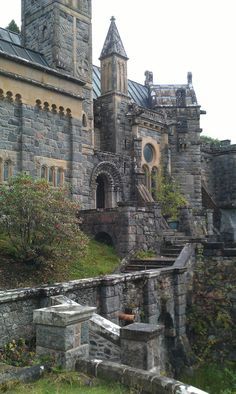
[106, 186]
[103, 192]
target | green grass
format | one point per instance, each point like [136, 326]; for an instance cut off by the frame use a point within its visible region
[213, 378]
[100, 259]
[65, 383]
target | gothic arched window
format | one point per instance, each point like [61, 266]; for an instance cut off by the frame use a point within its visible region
[147, 177]
[154, 182]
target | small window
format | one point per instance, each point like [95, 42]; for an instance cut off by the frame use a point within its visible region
[6, 170]
[146, 177]
[154, 182]
[44, 172]
[148, 153]
[84, 120]
[51, 177]
[60, 176]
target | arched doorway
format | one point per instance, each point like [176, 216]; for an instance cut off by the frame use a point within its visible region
[106, 186]
[101, 191]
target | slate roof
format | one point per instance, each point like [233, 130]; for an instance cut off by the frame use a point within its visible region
[10, 44]
[137, 91]
[113, 44]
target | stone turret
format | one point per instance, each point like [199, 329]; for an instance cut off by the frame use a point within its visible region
[113, 63]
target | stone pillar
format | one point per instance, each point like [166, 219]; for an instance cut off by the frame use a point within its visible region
[110, 298]
[58, 332]
[141, 346]
[150, 300]
[180, 301]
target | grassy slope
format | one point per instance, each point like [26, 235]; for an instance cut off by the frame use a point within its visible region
[99, 260]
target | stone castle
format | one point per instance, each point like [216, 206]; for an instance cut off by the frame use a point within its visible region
[107, 137]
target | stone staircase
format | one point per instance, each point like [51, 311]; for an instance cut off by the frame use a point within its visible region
[174, 241]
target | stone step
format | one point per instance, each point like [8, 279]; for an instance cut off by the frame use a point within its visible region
[173, 233]
[170, 249]
[229, 252]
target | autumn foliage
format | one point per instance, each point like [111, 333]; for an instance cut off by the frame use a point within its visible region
[39, 223]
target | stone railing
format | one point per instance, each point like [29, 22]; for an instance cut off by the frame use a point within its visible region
[145, 381]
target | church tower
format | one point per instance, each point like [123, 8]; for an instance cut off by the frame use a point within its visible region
[113, 63]
[61, 31]
[113, 102]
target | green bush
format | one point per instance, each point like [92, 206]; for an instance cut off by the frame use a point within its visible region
[38, 223]
[169, 196]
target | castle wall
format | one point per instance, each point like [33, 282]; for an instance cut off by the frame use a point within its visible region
[45, 135]
[185, 153]
[219, 173]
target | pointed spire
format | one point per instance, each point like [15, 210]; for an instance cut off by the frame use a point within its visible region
[113, 44]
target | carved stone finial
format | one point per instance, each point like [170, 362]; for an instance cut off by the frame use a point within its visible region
[190, 78]
[149, 78]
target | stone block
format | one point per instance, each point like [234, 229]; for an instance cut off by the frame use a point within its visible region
[141, 345]
[58, 338]
[111, 304]
[66, 360]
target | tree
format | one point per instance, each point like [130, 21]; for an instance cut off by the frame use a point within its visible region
[169, 196]
[39, 222]
[13, 27]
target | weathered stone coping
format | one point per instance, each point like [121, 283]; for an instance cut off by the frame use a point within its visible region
[179, 267]
[63, 315]
[184, 256]
[105, 328]
[141, 331]
[149, 381]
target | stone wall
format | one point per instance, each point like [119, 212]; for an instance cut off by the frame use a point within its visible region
[104, 339]
[218, 169]
[185, 153]
[129, 227]
[40, 135]
[161, 297]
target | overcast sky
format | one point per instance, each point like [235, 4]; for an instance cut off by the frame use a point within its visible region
[170, 38]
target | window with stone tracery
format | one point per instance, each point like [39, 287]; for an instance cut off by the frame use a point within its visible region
[53, 175]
